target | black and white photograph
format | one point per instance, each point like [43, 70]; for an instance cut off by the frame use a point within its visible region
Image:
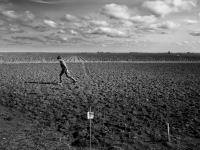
[99, 74]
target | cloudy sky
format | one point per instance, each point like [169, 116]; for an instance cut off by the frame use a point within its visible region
[100, 25]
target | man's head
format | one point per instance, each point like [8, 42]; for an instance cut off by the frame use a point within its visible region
[59, 57]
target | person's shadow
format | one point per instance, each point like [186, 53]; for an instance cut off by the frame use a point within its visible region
[34, 82]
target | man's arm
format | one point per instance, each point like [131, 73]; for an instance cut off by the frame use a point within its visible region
[63, 64]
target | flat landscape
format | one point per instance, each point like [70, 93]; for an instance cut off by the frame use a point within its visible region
[132, 102]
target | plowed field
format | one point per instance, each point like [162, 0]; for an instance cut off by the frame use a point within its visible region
[131, 103]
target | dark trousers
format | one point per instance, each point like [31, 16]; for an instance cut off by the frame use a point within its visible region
[66, 72]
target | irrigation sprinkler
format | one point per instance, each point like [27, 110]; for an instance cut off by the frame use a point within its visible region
[90, 116]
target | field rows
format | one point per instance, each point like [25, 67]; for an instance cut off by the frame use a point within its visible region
[119, 62]
[95, 57]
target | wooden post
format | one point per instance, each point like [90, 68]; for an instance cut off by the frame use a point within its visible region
[168, 133]
[90, 129]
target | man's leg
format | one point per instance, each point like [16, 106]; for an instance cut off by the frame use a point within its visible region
[69, 76]
[60, 76]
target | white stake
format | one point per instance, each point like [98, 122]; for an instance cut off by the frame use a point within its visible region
[90, 129]
[168, 133]
[90, 116]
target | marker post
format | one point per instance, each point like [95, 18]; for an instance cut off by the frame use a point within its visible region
[90, 116]
[168, 133]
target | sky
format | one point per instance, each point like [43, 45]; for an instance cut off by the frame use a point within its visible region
[100, 25]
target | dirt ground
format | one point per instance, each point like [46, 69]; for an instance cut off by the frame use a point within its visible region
[19, 132]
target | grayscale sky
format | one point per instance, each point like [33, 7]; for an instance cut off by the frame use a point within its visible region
[100, 25]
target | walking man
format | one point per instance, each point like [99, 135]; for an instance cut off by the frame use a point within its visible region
[64, 70]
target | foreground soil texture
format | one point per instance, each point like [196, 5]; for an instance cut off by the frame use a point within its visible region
[132, 104]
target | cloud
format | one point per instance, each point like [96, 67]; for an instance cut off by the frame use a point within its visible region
[5, 4]
[194, 42]
[178, 43]
[99, 23]
[126, 23]
[47, 39]
[85, 17]
[74, 32]
[125, 15]
[28, 38]
[195, 33]
[12, 16]
[13, 41]
[49, 1]
[69, 31]
[54, 38]
[185, 42]
[39, 27]
[9, 28]
[70, 18]
[116, 11]
[16, 30]
[77, 40]
[110, 32]
[165, 25]
[165, 7]
[61, 32]
[25, 19]
[89, 36]
[189, 22]
[51, 24]
[83, 21]
[143, 19]
[159, 8]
